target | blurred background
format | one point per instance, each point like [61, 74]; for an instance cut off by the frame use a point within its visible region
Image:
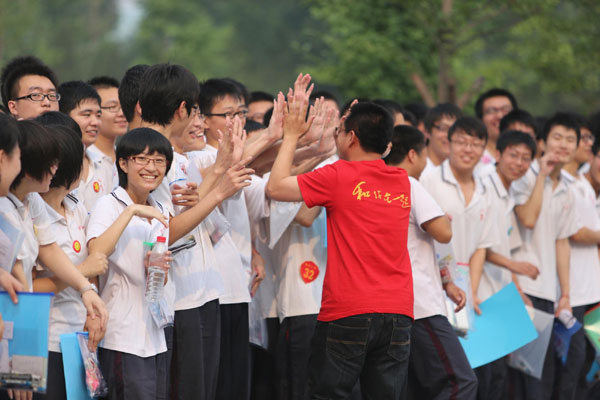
[547, 52]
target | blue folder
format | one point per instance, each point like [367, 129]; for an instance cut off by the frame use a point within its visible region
[73, 366]
[503, 327]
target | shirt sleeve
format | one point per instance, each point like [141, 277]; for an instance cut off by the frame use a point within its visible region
[318, 186]
[489, 234]
[102, 217]
[521, 189]
[423, 206]
[256, 199]
[570, 221]
[43, 228]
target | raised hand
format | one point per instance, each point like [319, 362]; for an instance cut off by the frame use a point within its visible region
[236, 178]
[225, 150]
[295, 123]
[276, 123]
[318, 112]
[327, 142]
[185, 196]
[238, 139]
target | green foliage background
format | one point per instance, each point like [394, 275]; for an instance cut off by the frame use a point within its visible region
[546, 51]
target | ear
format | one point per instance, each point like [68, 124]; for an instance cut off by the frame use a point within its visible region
[182, 112]
[541, 145]
[426, 133]
[123, 164]
[138, 109]
[412, 156]
[496, 154]
[353, 139]
[387, 150]
[12, 108]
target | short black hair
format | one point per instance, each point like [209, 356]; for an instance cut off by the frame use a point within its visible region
[495, 92]
[409, 117]
[596, 147]
[70, 161]
[129, 89]
[372, 124]
[242, 89]
[583, 122]
[470, 126]
[165, 87]
[104, 82]
[347, 104]
[214, 90]
[520, 116]
[392, 106]
[324, 94]
[19, 67]
[9, 133]
[135, 142]
[436, 113]
[39, 151]
[73, 93]
[51, 118]
[252, 126]
[512, 138]
[267, 116]
[404, 139]
[563, 119]
[419, 110]
[260, 96]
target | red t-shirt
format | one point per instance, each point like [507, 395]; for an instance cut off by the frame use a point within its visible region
[368, 267]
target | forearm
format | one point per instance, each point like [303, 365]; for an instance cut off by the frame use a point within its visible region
[56, 260]
[47, 285]
[529, 212]
[563, 254]
[257, 145]
[476, 268]
[282, 167]
[498, 259]
[185, 222]
[586, 236]
[306, 216]
[19, 274]
[106, 242]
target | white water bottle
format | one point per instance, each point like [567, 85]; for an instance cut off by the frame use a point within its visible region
[155, 280]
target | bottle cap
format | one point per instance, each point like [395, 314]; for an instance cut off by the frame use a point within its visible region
[161, 239]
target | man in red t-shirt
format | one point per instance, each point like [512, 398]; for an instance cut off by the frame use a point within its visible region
[363, 328]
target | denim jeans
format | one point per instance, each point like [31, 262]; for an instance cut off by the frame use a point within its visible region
[371, 347]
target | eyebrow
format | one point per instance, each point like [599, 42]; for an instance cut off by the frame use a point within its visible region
[39, 88]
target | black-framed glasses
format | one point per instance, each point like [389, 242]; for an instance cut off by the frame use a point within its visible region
[230, 114]
[113, 108]
[40, 97]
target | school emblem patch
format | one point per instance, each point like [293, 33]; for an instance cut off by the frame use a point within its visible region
[76, 246]
[96, 187]
[309, 271]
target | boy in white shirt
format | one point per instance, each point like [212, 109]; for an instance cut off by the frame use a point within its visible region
[438, 366]
[437, 122]
[544, 206]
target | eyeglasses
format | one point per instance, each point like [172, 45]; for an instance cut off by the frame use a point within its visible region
[495, 110]
[230, 114]
[588, 138]
[40, 97]
[113, 108]
[465, 144]
[143, 160]
[442, 128]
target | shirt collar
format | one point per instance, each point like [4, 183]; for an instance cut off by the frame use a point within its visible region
[123, 197]
[498, 185]
[447, 174]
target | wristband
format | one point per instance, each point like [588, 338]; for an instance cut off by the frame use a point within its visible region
[445, 274]
[90, 286]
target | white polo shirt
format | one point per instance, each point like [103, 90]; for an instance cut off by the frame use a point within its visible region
[194, 271]
[67, 313]
[101, 178]
[495, 277]
[427, 282]
[585, 264]
[557, 220]
[32, 218]
[472, 224]
[429, 167]
[130, 328]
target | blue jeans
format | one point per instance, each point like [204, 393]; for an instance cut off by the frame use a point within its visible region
[371, 347]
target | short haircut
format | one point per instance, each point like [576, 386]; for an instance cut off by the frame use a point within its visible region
[324, 94]
[267, 116]
[583, 122]
[39, 151]
[347, 104]
[70, 161]
[392, 106]
[73, 93]
[419, 110]
[135, 142]
[9, 133]
[512, 138]
[404, 139]
[436, 113]
[596, 147]
[409, 117]
[372, 124]
[470, 126]
[518, 116]
[129, 89]
[495, 92]
[260, 96]
[242, 89]
[165, 87]
[252, 126]
[51, 118]
[16, 69]
[567, 120]
[104, 82]
[214, 90]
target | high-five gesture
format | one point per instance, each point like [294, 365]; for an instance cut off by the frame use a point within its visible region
[295, 123]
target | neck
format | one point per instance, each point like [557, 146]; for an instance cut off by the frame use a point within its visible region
[164, 130]
[407, 167]
[462, 176]
[571, 167]
[136, 122]
[107, 146]
[211, 141]
[361, 155]
[435, 159]
[136, 195]
[505, 181]
[54, 197]
[555, 174]
[490, 146]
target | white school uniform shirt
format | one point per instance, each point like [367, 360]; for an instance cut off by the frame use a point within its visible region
[495, 277]
[427, 282]
[67, 313]
[557, 220]
[130, 327]
[101, 178]
[429, 167]
[584, 276]
[252, 199]
[31, 217]
[472, 224]
[194, 271]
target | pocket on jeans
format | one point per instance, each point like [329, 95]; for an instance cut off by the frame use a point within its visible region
[399, 347]
[347, 337]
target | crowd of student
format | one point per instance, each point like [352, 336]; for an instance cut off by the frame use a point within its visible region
[343, 303]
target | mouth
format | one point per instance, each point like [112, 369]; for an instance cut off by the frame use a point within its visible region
[149, 178]
[92, 132]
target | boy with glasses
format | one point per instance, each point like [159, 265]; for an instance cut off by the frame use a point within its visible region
[437, 122]
[29, 88]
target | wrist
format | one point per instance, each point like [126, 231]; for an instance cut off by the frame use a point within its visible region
[565, 296]
[87, 288]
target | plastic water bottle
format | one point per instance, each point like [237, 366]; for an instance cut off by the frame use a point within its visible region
[155, 280]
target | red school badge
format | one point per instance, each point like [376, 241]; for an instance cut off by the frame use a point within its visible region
[309, 271]
[96, 187]
[76, 246]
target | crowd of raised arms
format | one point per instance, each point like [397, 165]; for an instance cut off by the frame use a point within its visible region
[302, 234]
